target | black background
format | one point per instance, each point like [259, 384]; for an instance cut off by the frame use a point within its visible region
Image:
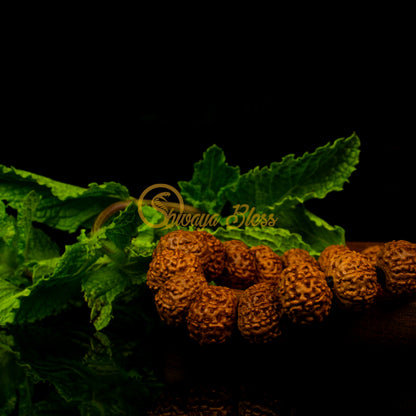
[101, 112]
[111, 105]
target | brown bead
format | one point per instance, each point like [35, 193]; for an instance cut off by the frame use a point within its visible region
[259, 313]
[213, 315]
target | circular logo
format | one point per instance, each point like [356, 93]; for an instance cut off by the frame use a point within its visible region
[158, 195]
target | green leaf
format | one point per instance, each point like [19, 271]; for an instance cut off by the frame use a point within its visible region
[278, 239]
[24, 224]
[106, 282]
[101, 288]
[9, 301]
[21, 241]
[315, 232]
[62, 206]
[8, 243]
[7, 224]
[93, 265]
[49, 294]
[147, 237]
[212, 178]
[124, 227]
[103, 285]
[279, 189]
[40, 246]
[296, 180]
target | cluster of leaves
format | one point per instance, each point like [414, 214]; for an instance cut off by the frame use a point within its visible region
[280, 189]
[37, 280]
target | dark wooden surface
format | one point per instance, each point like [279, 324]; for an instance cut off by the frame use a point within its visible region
[360, 363]
[361, 245]
[386, 328]
[390, 321]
